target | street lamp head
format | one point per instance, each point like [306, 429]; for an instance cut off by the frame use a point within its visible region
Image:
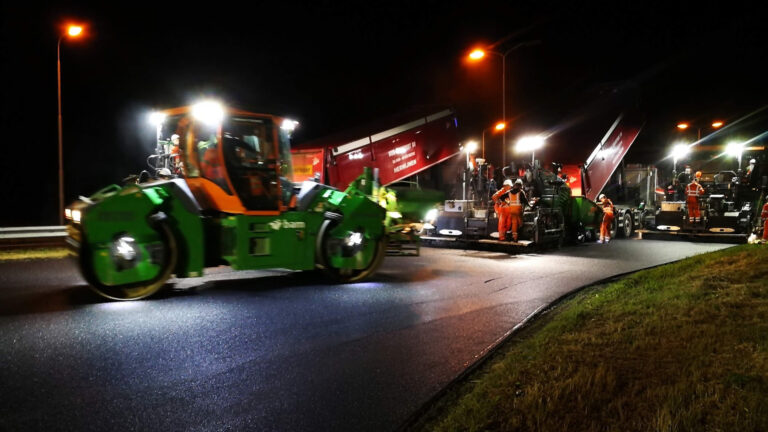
[717, 124]
[682, 126]
[476, 54]
[74, 30]
[500, 126]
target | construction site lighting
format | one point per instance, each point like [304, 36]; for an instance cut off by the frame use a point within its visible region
[680, 151]
[682, 126]
[500, 126]
[208, 112]
[717, 124]
[470, 147]
[289, 125]
[529, 144]
[156, 118]
[734, 148]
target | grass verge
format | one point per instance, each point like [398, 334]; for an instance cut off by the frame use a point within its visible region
[32, 254]
[682, 347]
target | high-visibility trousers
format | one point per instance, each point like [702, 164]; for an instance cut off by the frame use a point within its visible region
[516, 219]
[765, 229]
[505, 221]
[694, 212]
[605, 227]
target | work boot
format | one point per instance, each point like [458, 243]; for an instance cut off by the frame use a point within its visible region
[607, 240]
[600, 241]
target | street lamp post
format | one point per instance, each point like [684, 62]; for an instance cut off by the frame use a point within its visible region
[477, 55]
[500, 126]
[73, 31]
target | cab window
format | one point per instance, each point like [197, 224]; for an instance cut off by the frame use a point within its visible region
[251, 160]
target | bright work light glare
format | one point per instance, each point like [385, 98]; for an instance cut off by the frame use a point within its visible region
[156, 118]
[208, 112]
[289, 125]
[734, 148]
[679, 151]
[470, 147]
[529, 143]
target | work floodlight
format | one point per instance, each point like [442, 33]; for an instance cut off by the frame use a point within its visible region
[208, 112]
[156, 118]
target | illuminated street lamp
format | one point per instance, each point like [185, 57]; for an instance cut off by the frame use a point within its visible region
[530, 144]
[716, 124]
[735, 149]
[73, 31]
[469, 147]
[477, 55]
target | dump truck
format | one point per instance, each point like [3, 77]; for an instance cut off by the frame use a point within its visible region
[397, 149]
[233, 202]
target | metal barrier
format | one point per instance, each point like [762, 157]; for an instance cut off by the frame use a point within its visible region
[42, 236]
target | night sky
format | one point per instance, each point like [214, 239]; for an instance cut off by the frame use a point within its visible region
[334, 65]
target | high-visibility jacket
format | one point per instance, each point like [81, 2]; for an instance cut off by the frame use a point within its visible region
[764, 213]
[501, 197]
[607, 206]
[693, 190]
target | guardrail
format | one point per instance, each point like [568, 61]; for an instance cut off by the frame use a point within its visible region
[42, 236]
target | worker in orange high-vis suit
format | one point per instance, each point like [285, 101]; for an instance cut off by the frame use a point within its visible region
[517, 202]
[692, 193]
[764, 215]
[605, 227]
[501, 205]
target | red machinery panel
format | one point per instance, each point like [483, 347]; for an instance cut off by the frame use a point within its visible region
[609, 153]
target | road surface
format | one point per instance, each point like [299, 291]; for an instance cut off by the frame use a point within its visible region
[275, 350]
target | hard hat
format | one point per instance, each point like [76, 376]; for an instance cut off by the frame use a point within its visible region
[174, 137]
[519, 182]
[752, 161]
[507, 182]
[601, 196]
[698, 174]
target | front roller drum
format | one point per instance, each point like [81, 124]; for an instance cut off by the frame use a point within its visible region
[327, 245]
[168, 256]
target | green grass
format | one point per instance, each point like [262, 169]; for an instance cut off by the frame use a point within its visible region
[32, 254]
[682, 347]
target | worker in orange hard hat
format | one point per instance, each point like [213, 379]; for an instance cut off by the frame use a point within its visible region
[692, 193]
[501, 202]
[605, 227]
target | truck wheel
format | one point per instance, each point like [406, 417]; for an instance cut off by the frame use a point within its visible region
[628, 227]
[137, 290]
[327, 247]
